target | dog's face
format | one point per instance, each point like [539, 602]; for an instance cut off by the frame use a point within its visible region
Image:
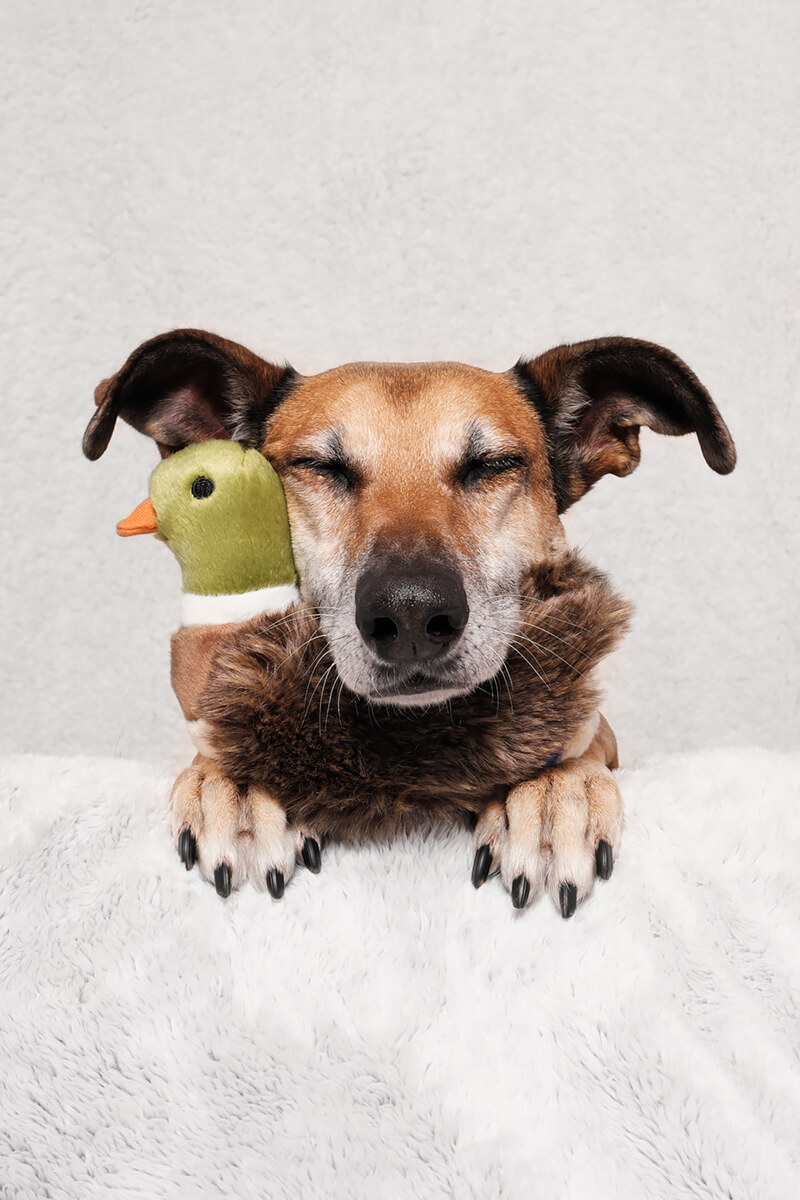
[419, 495]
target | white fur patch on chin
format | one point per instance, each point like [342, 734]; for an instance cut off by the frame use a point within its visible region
[419, 699]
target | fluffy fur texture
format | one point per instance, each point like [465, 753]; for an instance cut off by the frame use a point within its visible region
[277, 717]
[392, 1032]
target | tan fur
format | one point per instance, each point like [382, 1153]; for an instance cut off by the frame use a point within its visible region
[557, 820]
[422, 412]
[244, 827]
[193, 651]
[603, 747]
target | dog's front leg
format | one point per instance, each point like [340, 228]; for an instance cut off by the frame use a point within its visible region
[556, 831]
[235, 833]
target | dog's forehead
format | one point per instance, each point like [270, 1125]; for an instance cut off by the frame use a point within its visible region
[369, 406]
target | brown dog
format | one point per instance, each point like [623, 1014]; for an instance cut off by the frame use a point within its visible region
[448, 628]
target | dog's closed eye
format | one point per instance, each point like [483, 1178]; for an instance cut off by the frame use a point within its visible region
[335, 470]
[478, 470]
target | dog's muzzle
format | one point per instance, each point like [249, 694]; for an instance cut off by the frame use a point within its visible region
[410, 611]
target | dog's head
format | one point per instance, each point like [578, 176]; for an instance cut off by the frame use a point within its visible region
[420, 495]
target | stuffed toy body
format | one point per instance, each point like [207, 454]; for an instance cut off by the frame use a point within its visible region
[257, 683]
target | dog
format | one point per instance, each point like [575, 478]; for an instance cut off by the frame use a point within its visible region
[425, 503]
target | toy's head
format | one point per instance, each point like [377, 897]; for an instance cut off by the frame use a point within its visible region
[222, 512]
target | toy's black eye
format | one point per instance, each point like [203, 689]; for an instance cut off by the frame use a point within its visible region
[202, 487]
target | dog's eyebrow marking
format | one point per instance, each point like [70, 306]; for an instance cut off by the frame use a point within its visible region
[333, 444]
[476, 442]
[327, 445]
[483, 440]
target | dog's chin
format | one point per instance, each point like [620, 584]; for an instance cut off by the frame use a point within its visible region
[432, 682]
[418, 699]
[419, 690]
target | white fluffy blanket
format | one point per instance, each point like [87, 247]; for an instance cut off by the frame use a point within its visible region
[387, 1031]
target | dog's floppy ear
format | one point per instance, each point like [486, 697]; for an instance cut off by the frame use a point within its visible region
[188, 386]
[593, 397]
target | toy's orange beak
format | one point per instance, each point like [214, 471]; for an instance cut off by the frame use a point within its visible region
[141, 520]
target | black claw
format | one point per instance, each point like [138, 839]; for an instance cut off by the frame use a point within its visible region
[520, 890]
[310, 854]
[187, 849]
[275, 883]
[604, 860]
[222, 880]
[481, 865]
[568, 899]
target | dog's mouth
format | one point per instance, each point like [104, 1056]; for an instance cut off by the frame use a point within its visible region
[417, 686]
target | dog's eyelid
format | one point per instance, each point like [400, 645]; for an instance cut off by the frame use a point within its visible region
[318, 463]
[488, 466]
[337, 470]
[510, 458]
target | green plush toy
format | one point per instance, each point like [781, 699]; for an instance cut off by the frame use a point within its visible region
[221, 509]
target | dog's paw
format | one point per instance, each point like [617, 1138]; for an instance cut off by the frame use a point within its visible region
[234, 834]
[556, 832]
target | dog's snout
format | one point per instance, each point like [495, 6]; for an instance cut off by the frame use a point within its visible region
[406, 612]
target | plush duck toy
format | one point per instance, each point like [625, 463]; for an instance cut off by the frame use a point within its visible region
[221, 509]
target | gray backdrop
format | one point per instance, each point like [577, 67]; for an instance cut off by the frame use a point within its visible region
[366, 180]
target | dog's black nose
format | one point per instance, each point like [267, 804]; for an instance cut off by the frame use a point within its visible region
[408, 611]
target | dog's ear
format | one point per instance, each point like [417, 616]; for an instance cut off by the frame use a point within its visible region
[593, 397]
[188, 386]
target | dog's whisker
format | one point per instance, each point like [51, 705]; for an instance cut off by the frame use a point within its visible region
[548, 632]
[557, 616]
[516, 650]
[495, 682]
[324, 681]
[295, 615]
[298, 614]
[330, 700]
[539, 646]
[509, 682]
[307, 700]
[581, 657]
[316, 637]
[549, 650]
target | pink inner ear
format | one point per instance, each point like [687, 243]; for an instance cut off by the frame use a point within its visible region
[593, 430]
[189, 415]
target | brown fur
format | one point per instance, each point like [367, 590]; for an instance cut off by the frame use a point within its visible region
[344, 768]
[194, 648]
